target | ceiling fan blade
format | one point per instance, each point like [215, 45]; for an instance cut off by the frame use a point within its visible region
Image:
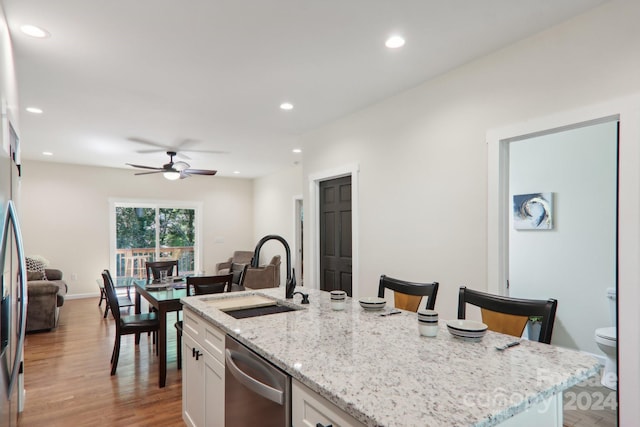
[144, 167]
[179, 148]
[150, 151]
[148, 173]
[199, 172]
[145, 141]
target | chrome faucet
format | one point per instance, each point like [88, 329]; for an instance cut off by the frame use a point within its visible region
[290, 285]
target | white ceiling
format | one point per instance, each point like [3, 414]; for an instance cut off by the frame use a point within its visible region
[214, 72]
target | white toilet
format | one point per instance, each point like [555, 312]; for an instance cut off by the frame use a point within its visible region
[608, 343]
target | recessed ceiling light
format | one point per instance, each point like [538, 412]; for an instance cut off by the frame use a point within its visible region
[47, 153]
[34, 110]
[286, 106]
[394, 42]
[236, 172]
[33, 31]
[297, 150]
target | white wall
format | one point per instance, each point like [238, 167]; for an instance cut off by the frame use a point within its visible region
[273, 212]
[8, 83]
[575, 262]
[423, 155]
[65, 216]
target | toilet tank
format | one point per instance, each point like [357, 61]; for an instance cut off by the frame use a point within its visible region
[611, 296]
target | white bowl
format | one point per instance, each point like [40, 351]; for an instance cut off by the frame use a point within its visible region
[467, 329]
[372, 303]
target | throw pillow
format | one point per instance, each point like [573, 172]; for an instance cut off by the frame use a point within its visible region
[35, 265]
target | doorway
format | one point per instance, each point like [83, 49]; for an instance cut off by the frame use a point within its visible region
[626, 110]
[312, 222]
[572, 172]
[335, 235]
[298, 232]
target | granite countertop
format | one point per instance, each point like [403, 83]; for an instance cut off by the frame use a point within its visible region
[383, 373]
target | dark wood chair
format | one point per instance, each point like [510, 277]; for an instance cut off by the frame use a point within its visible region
[123, 300]
[509, 315]
[202, 285]
[408, 295]
[126, 325]
[239, 272]
[153, 268]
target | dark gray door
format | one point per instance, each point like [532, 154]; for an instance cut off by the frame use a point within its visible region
[335, 235]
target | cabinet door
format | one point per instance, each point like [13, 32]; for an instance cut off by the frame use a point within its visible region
[214, 391]
[308, 409]
[193, 381]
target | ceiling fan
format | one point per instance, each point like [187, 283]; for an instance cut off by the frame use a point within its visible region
[180, 148]
[173, 170]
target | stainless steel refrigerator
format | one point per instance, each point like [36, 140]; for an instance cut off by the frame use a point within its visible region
[13, 290]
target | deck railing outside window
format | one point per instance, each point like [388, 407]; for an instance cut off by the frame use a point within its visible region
[131, 262]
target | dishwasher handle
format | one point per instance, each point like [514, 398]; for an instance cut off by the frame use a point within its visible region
[251, 383]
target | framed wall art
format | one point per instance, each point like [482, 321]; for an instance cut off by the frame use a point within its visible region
[533, 211]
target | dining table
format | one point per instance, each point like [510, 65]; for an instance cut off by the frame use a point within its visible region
[165, 298]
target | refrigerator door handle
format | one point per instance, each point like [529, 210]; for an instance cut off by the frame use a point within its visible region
[12, 218]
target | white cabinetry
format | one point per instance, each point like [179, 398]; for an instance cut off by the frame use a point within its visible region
[308, 409]
[202, 372]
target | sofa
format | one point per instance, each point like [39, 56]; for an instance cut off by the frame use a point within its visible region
[264, 276]
[239, 257]
[46, 293]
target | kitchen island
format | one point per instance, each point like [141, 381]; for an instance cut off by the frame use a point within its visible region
[381, 372]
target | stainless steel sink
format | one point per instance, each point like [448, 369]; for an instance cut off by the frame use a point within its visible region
[243, 313]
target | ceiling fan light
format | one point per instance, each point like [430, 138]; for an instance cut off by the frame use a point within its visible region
[172, 176]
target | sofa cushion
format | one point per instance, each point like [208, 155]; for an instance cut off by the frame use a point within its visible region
[53, 274]
[35, 275]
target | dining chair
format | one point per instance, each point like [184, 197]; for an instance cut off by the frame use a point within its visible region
[239, 272]
[509, 315]
[408, 295]
[123, 300]
[202, 285]
[153, 268]
[126, 325]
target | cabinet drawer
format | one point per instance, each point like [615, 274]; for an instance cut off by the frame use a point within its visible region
[308, 409]
[213, 341]
[193, 325]
[209, 337]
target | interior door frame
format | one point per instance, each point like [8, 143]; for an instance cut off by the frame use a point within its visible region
[627, 110]
[313, 260]
[505, 208]
[297, 241]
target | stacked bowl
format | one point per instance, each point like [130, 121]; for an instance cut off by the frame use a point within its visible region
[467, 329]
[372, 303]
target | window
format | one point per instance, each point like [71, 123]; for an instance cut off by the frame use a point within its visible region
[143, 231]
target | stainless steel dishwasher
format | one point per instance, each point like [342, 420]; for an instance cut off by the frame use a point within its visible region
[256, 392]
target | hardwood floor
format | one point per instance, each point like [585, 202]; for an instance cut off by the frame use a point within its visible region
[67, 379]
